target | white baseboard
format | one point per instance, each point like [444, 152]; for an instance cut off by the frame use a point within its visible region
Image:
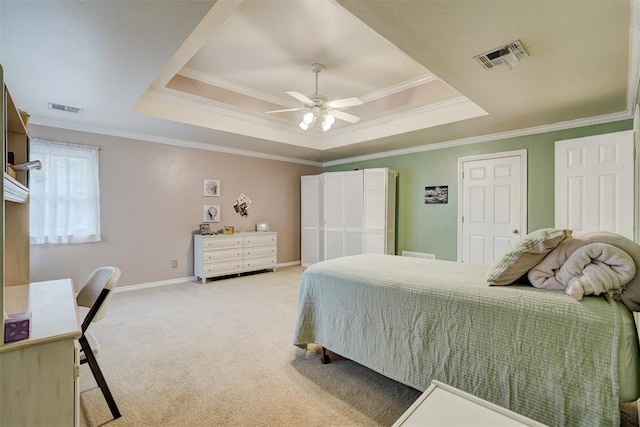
[288, 264]
[148, 285]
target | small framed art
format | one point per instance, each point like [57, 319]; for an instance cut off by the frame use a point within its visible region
[210, 213]
[262, 226]
[205, 229]
[210, 187]
[436, 194]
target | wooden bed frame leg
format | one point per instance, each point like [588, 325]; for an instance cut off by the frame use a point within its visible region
[325, 357]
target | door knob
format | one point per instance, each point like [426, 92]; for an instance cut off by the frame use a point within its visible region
[516, 231]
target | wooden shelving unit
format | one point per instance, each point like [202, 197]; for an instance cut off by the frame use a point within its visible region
[15, 198]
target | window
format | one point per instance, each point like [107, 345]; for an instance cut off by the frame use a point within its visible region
[64, 204]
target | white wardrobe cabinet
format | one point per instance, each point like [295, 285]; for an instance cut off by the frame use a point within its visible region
[347, 213]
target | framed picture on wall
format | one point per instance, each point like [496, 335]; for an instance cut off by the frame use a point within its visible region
[211, 213]
[211, 187]
[436, 195]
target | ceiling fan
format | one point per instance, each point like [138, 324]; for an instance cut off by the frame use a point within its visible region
[318, 107]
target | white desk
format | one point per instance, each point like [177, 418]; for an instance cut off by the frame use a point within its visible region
[443, 405]
[39, 375]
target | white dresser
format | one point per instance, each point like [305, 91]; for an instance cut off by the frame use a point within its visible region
[223, 254]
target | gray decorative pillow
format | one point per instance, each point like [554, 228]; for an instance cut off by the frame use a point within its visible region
[525, 254]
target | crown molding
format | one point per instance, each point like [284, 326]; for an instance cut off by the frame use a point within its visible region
[460, 108]
[163, 140]
[428, 147]
[392, 90]
[212, 80]
[263, 96]
[197, 103]
[187, 108]
[607, 118]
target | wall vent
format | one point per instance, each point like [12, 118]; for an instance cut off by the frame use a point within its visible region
[65, 108]
[424, 255]
[509, 54]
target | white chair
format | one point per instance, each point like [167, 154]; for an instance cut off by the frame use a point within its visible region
[92, 302]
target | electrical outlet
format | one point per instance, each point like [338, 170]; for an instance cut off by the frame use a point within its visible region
[174, 263]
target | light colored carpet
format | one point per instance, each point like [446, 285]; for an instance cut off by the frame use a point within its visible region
[221, 355]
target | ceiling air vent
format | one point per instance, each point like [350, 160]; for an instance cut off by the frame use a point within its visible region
[509, 54]
[65, 108]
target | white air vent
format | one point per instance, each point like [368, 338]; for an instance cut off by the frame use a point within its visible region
[424, 255]
[509, 54]
[65, 108]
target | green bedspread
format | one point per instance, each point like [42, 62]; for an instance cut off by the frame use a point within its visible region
[537, 352]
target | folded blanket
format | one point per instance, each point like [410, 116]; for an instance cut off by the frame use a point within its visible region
[543, 275]
[596, 268]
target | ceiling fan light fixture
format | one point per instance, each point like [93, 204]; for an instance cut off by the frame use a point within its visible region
[330, 118]
[318, 107]
[327, 121]
[308, 117]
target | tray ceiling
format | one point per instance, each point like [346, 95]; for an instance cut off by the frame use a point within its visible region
[204, 73]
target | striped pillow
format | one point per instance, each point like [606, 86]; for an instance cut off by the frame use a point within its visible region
[525, 254]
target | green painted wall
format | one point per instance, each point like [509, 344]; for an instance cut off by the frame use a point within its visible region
[433, 228]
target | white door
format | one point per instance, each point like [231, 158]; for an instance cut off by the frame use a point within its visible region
[493, 205]
[594, 188]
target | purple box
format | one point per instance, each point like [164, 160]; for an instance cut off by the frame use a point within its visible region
[17, 327]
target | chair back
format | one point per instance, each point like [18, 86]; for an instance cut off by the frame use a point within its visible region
[101, 278]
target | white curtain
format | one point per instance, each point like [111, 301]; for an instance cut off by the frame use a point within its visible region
[65, 194]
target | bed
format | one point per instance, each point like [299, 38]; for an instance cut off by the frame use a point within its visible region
[535, 351]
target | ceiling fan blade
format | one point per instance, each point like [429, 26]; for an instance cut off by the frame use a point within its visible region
[346, 102]
[345, 116]
[300, 97]
[285, 110]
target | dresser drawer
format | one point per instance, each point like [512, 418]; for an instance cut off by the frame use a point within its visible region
[260, 251]
[260, 263]
[221, 242]
[222, 255]
[220, 268]
[269, 239]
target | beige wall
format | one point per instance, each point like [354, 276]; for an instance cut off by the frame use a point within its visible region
[151, 202]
